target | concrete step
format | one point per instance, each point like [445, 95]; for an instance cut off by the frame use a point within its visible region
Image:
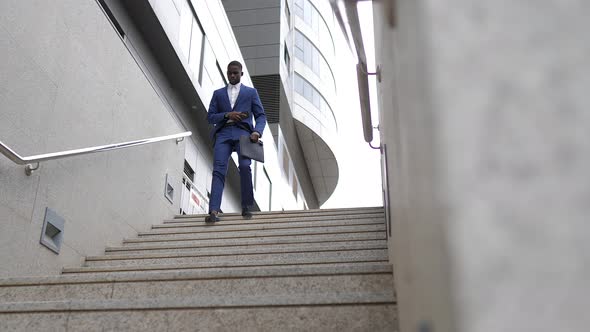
[279, 281]
[221, 273]
[272, 223]
[227, 242]
[244, 246]
[247, 250]
[333, 262]
[196, 302]
[260, 258]
[260, 241]
[220, 234]
[291, 213]
[366, 312]
[275, 218]
[288, 271]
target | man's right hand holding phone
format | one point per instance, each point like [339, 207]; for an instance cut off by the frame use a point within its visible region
[236, 116]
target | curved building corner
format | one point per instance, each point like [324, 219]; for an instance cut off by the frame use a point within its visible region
[289, 49]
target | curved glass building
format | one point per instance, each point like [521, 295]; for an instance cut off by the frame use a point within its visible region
[289, 49]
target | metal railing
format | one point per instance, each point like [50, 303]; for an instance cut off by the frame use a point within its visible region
[36, 159]
[361, 68]
[192, 201]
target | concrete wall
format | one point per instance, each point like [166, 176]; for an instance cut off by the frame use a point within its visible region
[68, 81]
[488, 142]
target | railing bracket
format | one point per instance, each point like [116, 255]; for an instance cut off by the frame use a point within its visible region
[375, 147]
[378, 73]
[29, 169]
[180, 139]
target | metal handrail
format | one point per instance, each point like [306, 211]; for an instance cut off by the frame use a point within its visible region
[183, 192]
[361, 68]
[36, 159]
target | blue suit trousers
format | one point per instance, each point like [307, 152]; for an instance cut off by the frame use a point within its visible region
[228, 140]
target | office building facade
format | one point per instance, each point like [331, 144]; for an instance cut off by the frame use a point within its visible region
[289, 48]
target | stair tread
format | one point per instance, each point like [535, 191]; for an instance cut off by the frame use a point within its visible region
[257, 258]
[251, 242]
[336, 211]
[246, 251]
[266, 219]
[200, 302]
[259, 233]
[261, 224]
[219, 273]
[308, 262]
[169, 248]
[219, 229]
[227, 265]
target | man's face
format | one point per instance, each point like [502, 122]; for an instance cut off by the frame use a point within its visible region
[234, 74]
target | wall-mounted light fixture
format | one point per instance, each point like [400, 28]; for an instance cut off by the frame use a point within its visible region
[53, 229]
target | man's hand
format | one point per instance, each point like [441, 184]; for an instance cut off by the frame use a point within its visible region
[254, 137]
[236, 116]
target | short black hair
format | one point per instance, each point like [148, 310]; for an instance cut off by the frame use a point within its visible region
[235, 63]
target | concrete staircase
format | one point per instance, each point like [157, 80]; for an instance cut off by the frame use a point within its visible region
[320, 270]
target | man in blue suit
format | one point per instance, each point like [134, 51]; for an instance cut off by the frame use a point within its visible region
[231, 112]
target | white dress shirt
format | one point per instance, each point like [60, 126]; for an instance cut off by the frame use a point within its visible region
[232, 92]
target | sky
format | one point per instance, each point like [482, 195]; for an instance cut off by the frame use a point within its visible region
[359, 165]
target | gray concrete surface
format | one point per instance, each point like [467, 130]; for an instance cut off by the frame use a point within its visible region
[68, 81]
[487, 134]
[266, 288]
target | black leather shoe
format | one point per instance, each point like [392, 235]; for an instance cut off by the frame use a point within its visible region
[212, 217]
[246, 213]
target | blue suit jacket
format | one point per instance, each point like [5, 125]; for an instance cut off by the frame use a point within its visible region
[247, 101]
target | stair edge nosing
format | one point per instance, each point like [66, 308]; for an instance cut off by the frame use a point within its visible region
[201, 302]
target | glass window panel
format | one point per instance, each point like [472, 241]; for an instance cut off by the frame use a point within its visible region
[294, 185]
[221, 73]
[298, 8]
[287, 12]
[217, 78]
[299, 84]
[324, 34]
[307, 91]
[315, 17]
[307, 9]
[184, 35]
[208, 62]
[316, 98]
[308, 53]
[299, 53]
[316, 62]
[286, 163]
[194, 60]
[326, 74]
[299, 39]
[287, 59]
[299, 11]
